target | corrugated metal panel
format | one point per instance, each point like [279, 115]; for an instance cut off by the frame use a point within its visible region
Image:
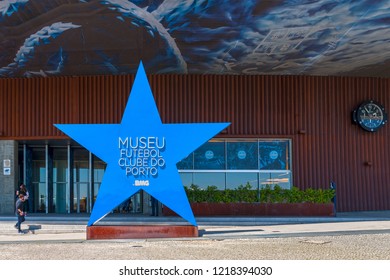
[102, 99]
[30, 106]
[315, 112]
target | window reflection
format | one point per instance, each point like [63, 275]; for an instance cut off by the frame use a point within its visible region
[227, 163]
[210, 156]
[60, 186]
[186, 163]
[204, 180]
[242, 155]
[81, 180]
[186, 178]
[98, 171]
[282, 179]
[236, 179]
[39, 180]
[233, 159]
[273, 155]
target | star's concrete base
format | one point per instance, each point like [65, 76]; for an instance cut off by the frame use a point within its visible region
[141, 231]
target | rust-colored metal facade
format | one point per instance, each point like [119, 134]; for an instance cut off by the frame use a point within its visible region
[314, 112]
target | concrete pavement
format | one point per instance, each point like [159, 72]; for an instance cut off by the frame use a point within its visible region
[72, 227]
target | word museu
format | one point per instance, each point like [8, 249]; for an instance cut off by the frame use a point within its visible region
[141, 156]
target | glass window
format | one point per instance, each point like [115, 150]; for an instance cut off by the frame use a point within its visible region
[80, 165]
[274, 155]
[82, 197]
[236, 179]
[39, 179]
[224, 163]
[80, 180]
[238, 157]
[210, 156]
[98, 171]
[60, 186]
[206, 179]
[186, 179]
[242, 155]
[187, 163]
[282, 179]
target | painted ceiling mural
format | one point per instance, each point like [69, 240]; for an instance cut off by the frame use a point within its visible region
[278, 37]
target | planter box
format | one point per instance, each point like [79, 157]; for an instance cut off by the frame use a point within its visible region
[258, 209]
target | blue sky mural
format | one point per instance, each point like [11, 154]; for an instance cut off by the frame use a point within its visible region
[280, 37]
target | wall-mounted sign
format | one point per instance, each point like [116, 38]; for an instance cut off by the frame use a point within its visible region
[7, 163]
[7, 171]
[141, 153]
[7, 167]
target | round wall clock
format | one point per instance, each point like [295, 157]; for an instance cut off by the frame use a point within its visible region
[370, 115]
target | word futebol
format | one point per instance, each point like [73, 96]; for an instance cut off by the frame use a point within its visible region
[141, 156]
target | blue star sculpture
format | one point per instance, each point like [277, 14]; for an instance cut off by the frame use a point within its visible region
[141, 153]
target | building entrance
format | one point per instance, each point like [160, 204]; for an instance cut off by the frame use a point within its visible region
[65, 179]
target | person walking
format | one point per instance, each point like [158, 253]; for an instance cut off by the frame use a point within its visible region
[19, 211]
[24, 191]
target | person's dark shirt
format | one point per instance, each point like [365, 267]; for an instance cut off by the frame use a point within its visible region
[19, 206]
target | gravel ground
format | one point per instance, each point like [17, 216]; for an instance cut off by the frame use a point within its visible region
[338, 247]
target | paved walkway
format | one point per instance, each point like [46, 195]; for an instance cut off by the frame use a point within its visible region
[72, 228]
[349, 236]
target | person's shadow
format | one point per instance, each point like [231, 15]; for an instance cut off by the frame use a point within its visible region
[33, 228]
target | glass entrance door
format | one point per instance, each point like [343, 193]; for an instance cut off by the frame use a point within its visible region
[60, 184]
[81, 181]
[38, 180]
[67, 179]
[131, 205]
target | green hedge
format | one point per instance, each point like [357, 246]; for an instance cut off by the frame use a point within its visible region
[267, 194]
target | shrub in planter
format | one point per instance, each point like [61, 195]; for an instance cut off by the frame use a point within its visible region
[295, 195]
[212, 194]
[267, 201]
[264, 195]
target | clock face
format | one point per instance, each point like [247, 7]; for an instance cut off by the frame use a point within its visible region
[370, 116]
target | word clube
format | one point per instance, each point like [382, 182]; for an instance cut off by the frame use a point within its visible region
[141, 156]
